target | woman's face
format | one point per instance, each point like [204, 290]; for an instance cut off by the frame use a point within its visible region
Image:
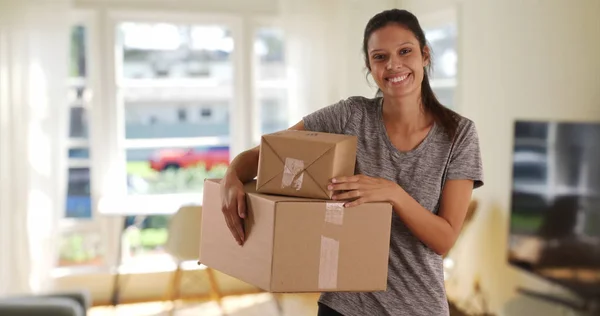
[396, 61]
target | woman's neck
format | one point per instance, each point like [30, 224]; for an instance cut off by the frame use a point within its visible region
[405, 114]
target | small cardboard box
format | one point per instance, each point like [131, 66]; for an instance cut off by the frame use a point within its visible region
[299, 245]
[301, 163]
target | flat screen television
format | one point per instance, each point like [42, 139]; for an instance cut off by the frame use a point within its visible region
[555, 204]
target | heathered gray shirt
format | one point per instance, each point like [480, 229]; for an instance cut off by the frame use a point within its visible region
[415, 275]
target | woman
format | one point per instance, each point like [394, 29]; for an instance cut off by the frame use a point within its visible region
[412, 152]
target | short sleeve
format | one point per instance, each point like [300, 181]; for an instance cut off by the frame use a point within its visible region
[330, 119]
[465, 160]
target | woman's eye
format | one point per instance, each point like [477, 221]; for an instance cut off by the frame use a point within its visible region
[405, 51]
[377, 57]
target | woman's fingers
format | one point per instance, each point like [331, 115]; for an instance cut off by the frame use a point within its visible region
[343, 186]
[241, 205]
[347, 195]
[234, 222]
[232, 227]
[356, 202]
[354, 178]
[238, 226]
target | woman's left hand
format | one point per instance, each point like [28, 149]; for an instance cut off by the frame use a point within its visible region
[363, 189]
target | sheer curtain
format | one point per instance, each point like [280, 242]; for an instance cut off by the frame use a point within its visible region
[33, 70]
[324, 51]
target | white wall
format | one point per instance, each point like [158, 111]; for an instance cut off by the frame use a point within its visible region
[519, 59]
[190, 6]
[323, 51]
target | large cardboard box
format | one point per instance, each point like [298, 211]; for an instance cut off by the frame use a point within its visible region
[301, 163]
[299, 245]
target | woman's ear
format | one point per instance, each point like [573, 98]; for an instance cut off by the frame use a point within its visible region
[426, 56]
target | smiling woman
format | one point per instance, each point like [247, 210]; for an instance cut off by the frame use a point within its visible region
[412, 152]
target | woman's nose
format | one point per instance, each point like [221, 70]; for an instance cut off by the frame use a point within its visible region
[394, 63]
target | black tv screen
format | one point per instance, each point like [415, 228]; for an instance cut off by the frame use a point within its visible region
[555, 203]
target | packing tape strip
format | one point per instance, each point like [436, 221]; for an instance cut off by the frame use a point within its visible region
[328, 263]
[293, 173]
[334, 213]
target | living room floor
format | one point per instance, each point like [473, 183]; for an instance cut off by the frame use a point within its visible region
[262, 304]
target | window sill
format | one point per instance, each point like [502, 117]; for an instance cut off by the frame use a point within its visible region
[161, 204]
[143, 264]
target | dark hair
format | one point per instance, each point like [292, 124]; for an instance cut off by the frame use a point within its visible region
[441, 114]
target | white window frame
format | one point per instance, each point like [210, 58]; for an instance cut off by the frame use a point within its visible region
[116, 200]
[88, 19]
[257, 23]
[107, 143]
[439, 19]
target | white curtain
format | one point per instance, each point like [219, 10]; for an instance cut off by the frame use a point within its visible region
[324, 51]
[34, 38]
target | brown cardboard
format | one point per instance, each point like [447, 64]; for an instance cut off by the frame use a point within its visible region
[299, 245]
[301, 163]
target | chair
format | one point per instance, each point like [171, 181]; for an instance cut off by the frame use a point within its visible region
[183, 244]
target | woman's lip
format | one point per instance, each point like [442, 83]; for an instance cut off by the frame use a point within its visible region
[406, 75]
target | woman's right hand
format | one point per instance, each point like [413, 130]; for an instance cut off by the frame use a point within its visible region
[233, 205]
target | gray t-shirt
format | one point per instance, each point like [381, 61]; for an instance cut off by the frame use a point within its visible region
[415, 275]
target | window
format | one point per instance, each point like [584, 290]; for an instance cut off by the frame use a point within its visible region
[270, 78]
[441, 32]
[80, 237]
[175, 86]
[166, 70]
[169, 115]
[78, 194]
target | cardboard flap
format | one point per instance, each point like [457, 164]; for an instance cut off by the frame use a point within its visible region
[320, 170]
[293, 156]
[268, 158]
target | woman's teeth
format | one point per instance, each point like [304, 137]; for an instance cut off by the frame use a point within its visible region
[398, 79]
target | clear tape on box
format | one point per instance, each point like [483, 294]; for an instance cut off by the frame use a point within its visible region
[330, 248]
[334, 213]
[293, 173]
[328, 265]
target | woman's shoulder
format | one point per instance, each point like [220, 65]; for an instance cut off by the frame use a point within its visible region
[462, 124]
[358, 105]
[465, 125]
[362, 101]
[337, 116]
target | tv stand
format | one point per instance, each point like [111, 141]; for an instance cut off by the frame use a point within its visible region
[587, 307]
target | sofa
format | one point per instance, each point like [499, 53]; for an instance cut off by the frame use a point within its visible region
[56, 304]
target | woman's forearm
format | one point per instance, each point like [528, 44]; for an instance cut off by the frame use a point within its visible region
[245, 165]
[434, 231]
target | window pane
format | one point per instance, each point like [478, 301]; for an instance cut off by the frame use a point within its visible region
[269, 49]
[79, 204]
[148, 237]
[81, 153]
[78, 123]
[177, 92]
[445, 96]
[174, 170]
[443, 41]
[172, 119]
[78, 52]
[271, 80]
[80, 248]
[163, 50]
